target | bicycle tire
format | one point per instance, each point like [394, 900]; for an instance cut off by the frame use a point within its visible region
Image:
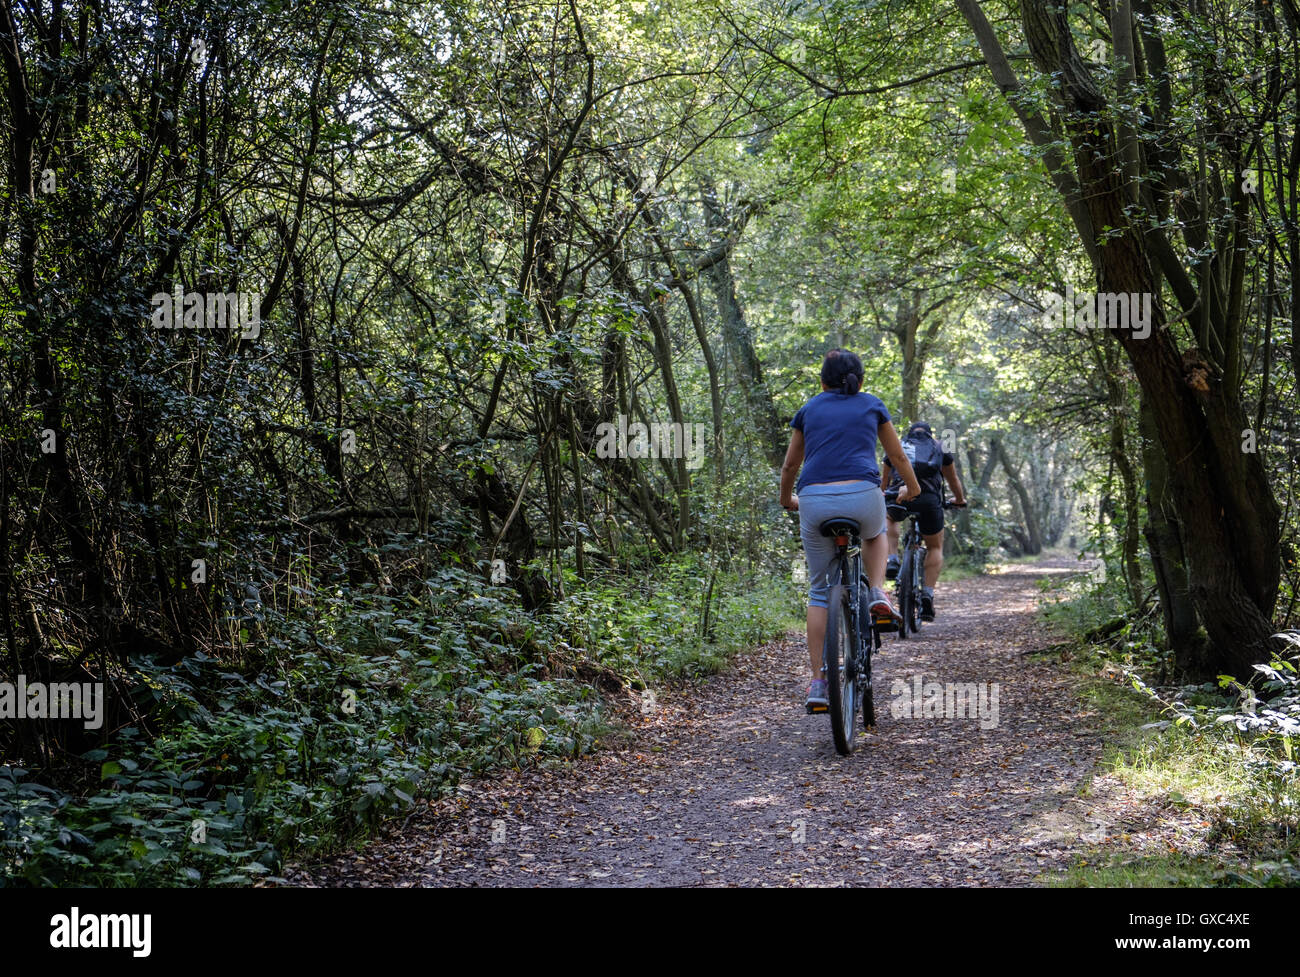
[918, 571]
[837, 653]
[905, 596]
[866, 692]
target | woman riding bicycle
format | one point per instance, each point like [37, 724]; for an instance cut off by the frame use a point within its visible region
[834, 440]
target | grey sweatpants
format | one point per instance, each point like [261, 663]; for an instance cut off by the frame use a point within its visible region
[862, 501]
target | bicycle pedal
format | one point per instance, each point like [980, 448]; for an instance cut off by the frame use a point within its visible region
[815, 710]
[886, 623]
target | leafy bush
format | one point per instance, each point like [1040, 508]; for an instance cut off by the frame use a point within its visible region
[1228, 747]
[1262, 716]
[340, 718]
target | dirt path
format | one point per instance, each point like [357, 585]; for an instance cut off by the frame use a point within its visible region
[733, 784]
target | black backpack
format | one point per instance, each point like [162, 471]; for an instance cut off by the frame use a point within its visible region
[926, 457]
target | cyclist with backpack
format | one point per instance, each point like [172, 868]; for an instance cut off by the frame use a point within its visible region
[834, 443]
[932, 466]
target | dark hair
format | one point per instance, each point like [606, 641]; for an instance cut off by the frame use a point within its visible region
[842, 371]
[920, 426]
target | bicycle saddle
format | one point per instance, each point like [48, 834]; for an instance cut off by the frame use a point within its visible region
[839, 526]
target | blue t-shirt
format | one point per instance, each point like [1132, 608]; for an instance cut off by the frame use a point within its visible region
[839, 437]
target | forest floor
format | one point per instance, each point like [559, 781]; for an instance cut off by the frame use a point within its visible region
[730, 782]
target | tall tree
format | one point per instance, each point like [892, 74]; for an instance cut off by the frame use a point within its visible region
[1130, 167]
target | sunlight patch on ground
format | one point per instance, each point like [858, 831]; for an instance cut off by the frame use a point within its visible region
[756, 800]
[1042, 570]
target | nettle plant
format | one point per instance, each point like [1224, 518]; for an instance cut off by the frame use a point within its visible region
[1268, 707]
[1263, 713]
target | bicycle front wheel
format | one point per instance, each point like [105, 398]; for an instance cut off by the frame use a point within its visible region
[918, 563]
[918, 578]
[906, 593]
[838, 656]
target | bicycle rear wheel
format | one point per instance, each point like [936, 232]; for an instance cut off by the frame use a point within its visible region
[838, 657]
[866, 694]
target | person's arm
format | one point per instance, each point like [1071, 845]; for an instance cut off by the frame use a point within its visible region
[894, 453]
[790, 468]
[954, 483]
[886, 474]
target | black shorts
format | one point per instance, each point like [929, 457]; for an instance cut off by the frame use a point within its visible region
[929, 512]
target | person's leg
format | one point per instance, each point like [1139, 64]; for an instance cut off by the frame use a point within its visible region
[891, 531]
[929, 520]
[892, 562]
[874, 554]
[933, 558]
[876, 528]
[818, 551]
[816, 638]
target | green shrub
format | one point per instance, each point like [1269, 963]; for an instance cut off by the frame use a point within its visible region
[339, 718]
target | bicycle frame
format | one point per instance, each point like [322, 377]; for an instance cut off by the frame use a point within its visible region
[912, 538]
[849, 560]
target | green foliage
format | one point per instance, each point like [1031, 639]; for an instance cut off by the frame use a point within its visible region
[1174, 872]
[662, 626]
[479, 233]
[1225, 750]
[1077, 603]
[357, 713]
[1261, 717]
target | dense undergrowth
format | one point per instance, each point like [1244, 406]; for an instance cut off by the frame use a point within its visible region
[1220, 755]
[358, 710]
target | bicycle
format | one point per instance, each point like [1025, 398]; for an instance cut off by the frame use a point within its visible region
[911, 570]
[848, 647]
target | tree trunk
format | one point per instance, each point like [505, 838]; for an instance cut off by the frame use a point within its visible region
[1117, 404]
[1165, 543]
[1222, 493]
[772, 435]
[905, 327]
[1032, 540]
